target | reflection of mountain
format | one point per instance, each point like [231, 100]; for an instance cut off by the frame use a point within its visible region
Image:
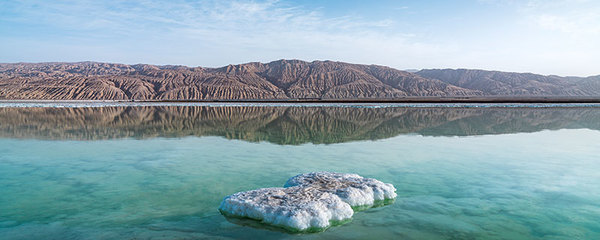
[502, 121]
[284, 125]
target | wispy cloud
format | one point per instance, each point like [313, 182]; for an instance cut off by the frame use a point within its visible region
[228, 31]
[575, 23]
[551, 36]
[580, 17]
[152, 15]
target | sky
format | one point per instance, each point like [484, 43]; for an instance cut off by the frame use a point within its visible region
[560, 37]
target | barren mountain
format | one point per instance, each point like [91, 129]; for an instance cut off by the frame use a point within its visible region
[508, 83]
[276, 80]
[283, 79]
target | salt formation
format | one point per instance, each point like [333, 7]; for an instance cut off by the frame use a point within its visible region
[295, 207]
[308, 202]
[351, 188]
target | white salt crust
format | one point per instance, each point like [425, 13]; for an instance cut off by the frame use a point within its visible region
[295, 207]
[308, 200]
[351, 188]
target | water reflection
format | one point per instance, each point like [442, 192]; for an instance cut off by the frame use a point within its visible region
[542, 185]
[284, 125]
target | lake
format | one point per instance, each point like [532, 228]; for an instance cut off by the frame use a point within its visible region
[160, 171]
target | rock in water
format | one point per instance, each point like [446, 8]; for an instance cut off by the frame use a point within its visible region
[308, 202]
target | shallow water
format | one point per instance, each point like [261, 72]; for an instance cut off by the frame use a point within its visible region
[149, 172]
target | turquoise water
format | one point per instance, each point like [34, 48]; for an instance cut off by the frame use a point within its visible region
[161, 172]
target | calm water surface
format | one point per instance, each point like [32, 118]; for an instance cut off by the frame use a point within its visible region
[160, 172]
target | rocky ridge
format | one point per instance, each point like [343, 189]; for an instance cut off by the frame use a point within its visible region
[283, 79]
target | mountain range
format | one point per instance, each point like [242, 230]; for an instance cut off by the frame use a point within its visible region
[282, 79]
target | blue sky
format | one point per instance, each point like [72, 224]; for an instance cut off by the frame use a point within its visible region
[543, 36]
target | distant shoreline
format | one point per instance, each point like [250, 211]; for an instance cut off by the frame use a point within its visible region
[317, 100]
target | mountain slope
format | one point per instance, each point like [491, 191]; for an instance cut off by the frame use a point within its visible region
[276, 80]
[509, 84]
[283, 79]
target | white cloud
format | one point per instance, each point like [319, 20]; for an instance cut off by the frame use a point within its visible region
[215, 33]
[551, 37]
[580, 23]
[580, 17]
